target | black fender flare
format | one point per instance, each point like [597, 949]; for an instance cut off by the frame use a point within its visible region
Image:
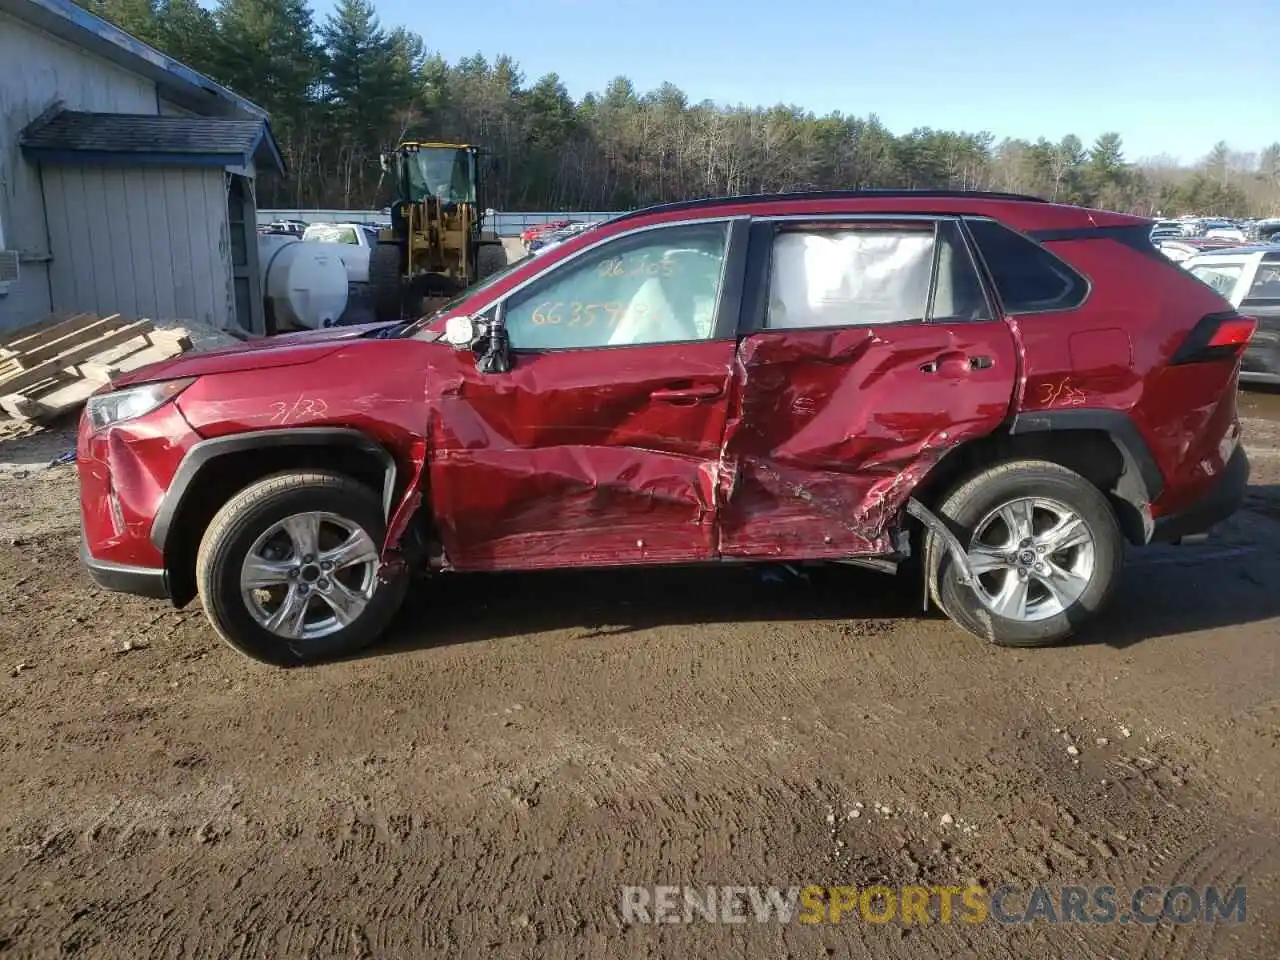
[1141, 482]
[1133, 448]
[207, 452]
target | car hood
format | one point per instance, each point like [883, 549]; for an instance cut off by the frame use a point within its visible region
[286, 350]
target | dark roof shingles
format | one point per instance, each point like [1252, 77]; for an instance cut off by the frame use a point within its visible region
[137, 133]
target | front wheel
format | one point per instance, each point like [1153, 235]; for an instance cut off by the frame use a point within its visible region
[288, 569]
[1044, 547]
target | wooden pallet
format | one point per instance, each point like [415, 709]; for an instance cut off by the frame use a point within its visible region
[50, 369]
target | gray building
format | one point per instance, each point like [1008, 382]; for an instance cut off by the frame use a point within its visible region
[126, 178]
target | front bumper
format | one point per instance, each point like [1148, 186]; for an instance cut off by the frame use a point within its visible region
[121, 578]
[124, 473]
[1220, 502]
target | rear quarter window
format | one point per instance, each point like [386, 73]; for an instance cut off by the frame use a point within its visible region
[1027, 277]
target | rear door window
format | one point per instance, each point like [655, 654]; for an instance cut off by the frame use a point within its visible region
[871, 272]
[1027, 277]
[850, 274]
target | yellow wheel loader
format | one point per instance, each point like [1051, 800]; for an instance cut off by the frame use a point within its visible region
[436, 245]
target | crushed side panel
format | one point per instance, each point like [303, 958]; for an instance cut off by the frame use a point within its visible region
[569, 460]
[834, 428]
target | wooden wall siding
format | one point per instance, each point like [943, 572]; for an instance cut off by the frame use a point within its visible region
[35, 70]
[27, 300]
[145, 242]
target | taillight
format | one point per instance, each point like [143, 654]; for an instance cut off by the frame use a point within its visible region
[1234, 333]
[1218, 336]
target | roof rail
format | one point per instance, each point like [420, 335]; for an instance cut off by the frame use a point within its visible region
[827, 195]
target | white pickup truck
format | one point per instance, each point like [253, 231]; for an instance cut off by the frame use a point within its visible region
[1250, 278]
[356, 238]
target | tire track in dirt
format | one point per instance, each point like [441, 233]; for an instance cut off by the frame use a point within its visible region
[646, 778]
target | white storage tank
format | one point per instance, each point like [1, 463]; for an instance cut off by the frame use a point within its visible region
[304, 282]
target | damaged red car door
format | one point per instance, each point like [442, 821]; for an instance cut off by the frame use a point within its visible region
[601, 444]
[870, 348]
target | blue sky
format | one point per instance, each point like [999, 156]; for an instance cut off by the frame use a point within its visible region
[1172, 76]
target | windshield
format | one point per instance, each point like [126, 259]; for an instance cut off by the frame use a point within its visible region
[483, 285]
[331, 233]
[441, 172]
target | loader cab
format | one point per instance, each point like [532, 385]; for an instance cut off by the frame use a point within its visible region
[447, 173]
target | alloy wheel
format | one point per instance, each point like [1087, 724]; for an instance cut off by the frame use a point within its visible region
[1032, 558]
[309, 575]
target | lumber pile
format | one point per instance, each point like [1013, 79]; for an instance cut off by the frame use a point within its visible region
[50, 368]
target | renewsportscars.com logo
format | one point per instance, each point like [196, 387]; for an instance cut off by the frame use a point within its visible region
[1005, 904]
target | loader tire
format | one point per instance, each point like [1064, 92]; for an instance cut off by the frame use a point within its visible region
[490, 258]
[386, 283]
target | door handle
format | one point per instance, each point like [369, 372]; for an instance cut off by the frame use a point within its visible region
[955, 363]
[686, 394]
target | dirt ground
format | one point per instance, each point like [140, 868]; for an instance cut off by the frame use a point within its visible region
[484, 783]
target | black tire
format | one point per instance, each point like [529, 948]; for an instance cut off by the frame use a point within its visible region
[244, 518]
[386, 283]
[490, 258]
[966, 506]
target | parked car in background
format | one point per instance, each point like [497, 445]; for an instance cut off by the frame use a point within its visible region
[553, 238]
[1249, 279]
[1168, 230]
[550, 238]
[1268, 231]
[357, 240]
[293, 228]
[1232, 233]
[530, 234]
[1008, 389]
[1181, 250]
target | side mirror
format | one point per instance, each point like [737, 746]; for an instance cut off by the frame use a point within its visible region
[486, 338]
[496, 357]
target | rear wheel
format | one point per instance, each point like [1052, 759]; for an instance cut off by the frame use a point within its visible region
[385, 283]
[1045, 549]
[288, 569]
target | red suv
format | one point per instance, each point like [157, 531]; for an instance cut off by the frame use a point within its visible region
[1004, 389]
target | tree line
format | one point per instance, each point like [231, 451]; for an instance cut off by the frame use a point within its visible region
[342, 90]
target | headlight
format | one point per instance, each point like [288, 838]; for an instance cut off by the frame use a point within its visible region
[120, 405]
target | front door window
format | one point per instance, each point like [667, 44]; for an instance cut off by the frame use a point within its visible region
[655, 286]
